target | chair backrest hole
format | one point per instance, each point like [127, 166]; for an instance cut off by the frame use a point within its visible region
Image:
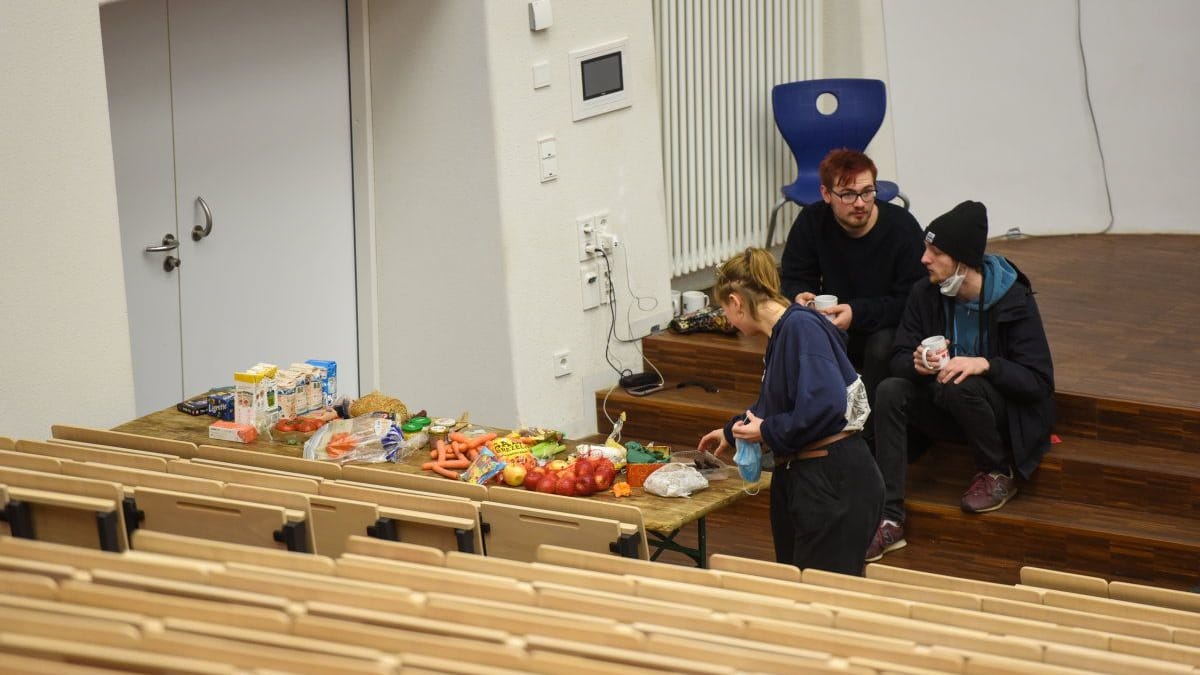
[827, 104]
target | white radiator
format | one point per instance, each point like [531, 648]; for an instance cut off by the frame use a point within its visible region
[723, 159]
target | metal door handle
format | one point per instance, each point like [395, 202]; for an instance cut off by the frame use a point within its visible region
[169, 243]
[199, 232]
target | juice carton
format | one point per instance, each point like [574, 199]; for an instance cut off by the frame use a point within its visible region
[248, 396]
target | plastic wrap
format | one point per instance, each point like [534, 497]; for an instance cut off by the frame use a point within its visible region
[675, 480]
[359, 439]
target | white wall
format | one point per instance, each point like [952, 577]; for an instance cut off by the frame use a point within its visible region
[443, 307]
[612, 163]
[64, 335]
[479, 278]
[989, 103]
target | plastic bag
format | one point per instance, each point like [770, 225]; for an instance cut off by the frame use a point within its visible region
[359, 439]
[484, 467]
[675, 480]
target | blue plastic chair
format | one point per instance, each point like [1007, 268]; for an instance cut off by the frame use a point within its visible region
[811, 134]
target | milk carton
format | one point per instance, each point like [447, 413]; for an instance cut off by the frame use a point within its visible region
[330, 384]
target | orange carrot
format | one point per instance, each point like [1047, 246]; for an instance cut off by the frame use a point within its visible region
[455, 463]
[459, 437]
[442, 471]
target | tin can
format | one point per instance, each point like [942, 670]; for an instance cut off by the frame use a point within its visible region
[437, 432]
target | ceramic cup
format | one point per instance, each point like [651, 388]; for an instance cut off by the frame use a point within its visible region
[694, 301]
[938, 348]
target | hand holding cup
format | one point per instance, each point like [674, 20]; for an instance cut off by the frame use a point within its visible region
[937, 347]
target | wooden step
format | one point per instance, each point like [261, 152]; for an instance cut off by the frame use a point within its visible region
[735, 363]
[1030, 530]
[1086, 471]
[674, 416]
[731, 363]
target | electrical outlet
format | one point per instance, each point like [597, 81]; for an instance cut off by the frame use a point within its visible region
[589, 280]
[586, 229]
[562, 363]
[605, 287]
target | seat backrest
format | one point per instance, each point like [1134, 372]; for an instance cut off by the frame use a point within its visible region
[811, 134]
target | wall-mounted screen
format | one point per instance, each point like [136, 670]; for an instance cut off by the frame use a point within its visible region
[598, 81]
[602, 75]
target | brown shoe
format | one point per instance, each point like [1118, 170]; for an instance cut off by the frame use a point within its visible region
[988, 492]
[889, 537]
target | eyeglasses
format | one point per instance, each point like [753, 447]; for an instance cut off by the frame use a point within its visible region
[849, 197]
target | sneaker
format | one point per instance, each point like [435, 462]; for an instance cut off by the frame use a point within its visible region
[988, 492]
[889, 537]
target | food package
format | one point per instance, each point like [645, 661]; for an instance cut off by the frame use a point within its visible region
[675, 480]
[359, 439]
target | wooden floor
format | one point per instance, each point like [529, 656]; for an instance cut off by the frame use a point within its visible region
[1119, 497]
[1122, 312]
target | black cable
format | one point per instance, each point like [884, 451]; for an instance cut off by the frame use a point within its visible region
[1087, 91]
[612, 325]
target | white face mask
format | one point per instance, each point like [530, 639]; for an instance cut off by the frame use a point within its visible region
[952, 283]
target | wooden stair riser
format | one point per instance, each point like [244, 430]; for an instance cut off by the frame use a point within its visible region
[1128, 422]
[733, 365]
[1068, 479]
[948, 533]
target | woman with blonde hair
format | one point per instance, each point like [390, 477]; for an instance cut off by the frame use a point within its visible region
[826, 491]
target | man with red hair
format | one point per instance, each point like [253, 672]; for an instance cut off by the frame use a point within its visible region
[866, 252]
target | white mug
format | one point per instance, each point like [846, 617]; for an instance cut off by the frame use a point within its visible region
[823, 302]
[694, 301]
[937, 346]
[676, 303]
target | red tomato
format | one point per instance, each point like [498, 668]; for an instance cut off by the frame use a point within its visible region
[285, 425]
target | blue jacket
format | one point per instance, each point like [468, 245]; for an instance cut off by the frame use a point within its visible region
[805, 375]
[1014, 343]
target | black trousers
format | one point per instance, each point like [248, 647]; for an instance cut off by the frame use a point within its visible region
[871, 354]
[973, 411]
[824, 511]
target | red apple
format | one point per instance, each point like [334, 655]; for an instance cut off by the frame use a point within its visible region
[583, 467]
[565, 487]
[547, 485]
[533, 476]
[603, 462]
[585, 485]
[604, 477]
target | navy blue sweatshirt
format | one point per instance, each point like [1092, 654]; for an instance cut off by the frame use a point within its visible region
[805, 375]
[873, 274]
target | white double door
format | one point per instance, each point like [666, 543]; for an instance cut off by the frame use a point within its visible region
[241, 107]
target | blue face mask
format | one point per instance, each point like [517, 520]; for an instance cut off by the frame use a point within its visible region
[749, 460]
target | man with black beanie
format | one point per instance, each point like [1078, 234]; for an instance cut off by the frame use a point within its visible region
[992, 387]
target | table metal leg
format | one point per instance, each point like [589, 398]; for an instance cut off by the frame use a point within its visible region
[666, 542]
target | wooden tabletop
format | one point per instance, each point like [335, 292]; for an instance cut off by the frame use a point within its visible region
[660, 514]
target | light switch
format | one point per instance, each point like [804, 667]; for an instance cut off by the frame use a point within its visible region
[549, 169]
[541, 74]
[548, 158]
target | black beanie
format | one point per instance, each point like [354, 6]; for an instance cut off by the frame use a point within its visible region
[961, 233]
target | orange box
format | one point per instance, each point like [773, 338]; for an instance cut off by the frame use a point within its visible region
[232, 431]
[635, 474]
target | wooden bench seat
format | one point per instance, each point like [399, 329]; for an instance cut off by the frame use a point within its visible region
[223, 551]
[266, 460]
[81, 453]
[58, 506]
[123, 440]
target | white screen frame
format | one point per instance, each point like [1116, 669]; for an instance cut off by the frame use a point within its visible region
[582, 109]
